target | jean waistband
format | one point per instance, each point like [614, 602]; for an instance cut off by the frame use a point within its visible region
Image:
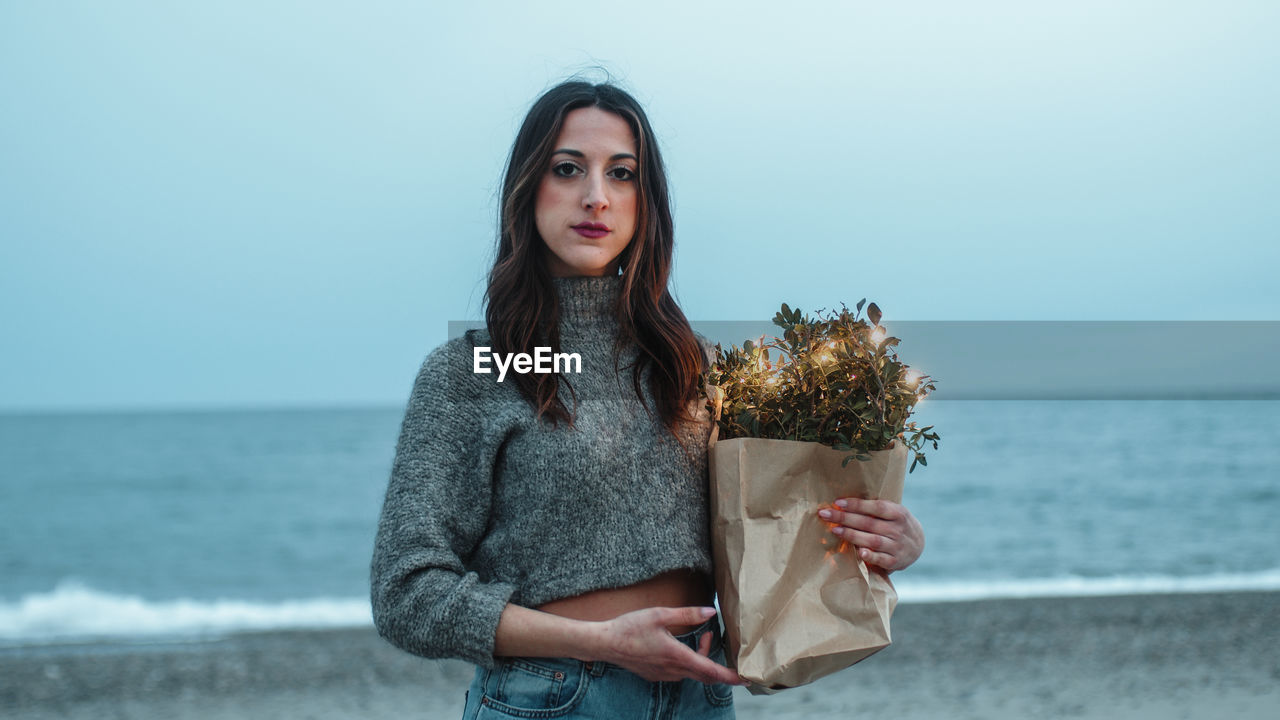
[691, 638]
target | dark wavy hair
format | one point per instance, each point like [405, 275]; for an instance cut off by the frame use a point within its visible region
[522, 304]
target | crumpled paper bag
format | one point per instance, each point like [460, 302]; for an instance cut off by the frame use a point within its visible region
[795, 607]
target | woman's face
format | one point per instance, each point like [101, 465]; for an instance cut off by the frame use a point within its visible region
[586, 205]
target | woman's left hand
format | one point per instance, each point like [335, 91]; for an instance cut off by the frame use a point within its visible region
[884, 533]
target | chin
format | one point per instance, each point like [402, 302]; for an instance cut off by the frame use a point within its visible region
[592, 269]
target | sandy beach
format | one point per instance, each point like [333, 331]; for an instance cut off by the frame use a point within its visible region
[1155, 656]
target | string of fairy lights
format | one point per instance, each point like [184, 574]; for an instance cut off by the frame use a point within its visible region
[834, 378]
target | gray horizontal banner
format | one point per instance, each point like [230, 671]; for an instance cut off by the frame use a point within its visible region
[1069, 360]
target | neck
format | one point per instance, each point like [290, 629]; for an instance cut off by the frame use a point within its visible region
[589, 301]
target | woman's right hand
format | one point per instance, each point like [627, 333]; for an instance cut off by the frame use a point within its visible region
[640, 642]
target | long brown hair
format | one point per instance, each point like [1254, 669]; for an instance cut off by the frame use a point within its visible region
[522, 304]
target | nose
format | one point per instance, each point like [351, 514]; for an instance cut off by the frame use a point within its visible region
[595, 197]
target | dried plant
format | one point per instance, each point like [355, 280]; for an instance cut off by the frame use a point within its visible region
[833, 379]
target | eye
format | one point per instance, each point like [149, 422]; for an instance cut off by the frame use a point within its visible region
[564, 169]
[622, 172]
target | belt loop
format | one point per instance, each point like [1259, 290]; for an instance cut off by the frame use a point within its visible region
[596, 668]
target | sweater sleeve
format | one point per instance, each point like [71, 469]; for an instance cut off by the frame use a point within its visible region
[424, 598]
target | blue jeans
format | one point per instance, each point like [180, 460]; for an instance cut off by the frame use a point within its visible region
[520, 687]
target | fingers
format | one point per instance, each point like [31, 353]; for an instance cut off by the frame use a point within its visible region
[872, 549]
[874, 527]
[694, 615]
[885, 562]
[857, 521]
[697, 663]
[870, 541]
[884, 509]
[886, 534]
[705, 670]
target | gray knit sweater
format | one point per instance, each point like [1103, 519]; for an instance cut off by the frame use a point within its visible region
[487, 506]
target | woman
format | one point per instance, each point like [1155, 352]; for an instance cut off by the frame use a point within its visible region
[551, 527]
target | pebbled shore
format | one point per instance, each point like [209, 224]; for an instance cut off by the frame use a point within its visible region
[1152, 656]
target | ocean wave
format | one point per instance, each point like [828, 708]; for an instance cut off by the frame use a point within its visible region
[911, 590]
[74, 611]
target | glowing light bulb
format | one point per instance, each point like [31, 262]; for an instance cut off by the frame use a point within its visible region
[826, 352]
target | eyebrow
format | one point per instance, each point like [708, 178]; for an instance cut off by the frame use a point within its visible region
[578, 154]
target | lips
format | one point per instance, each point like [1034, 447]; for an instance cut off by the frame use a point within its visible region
[591, 229]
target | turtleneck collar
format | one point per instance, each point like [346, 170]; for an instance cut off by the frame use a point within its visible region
[589, 301]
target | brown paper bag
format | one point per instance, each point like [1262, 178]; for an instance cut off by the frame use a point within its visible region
[795, 608]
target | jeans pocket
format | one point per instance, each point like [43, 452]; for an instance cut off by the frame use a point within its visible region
[718, 694]
[535, 687]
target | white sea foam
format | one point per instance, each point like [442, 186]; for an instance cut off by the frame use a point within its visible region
[912, 590]
[73, 611]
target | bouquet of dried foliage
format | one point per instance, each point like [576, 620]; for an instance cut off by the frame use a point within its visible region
[834, 379]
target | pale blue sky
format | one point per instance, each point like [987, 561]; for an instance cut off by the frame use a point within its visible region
[265, 203]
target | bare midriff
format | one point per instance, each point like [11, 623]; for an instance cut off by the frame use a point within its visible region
[678, 588]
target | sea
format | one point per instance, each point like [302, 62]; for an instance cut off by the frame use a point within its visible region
[137, 527]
